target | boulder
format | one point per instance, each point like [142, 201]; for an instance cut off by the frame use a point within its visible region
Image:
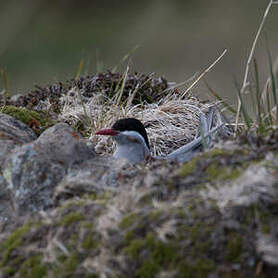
[12, 134]
[33, 170]
[215, 216]
[15, 130]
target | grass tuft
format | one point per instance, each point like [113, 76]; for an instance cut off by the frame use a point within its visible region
[262, 121]
[5, 83]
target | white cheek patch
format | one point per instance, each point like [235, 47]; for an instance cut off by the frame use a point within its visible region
[131, 146]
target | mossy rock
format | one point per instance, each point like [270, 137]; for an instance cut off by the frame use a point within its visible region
[13, 241]
[182, 228]
[37, 120]
[33, 267]
[218, 165]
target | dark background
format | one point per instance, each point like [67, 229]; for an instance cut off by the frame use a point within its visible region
[43, 42]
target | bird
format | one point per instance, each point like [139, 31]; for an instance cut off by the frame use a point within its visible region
[133, 143]
[131, 140]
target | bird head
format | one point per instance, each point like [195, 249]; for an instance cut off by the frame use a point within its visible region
[131, 138]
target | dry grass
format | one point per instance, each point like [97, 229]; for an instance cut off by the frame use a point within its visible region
[171, 123]
[270, 118]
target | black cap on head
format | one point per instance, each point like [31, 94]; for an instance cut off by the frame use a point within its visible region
[131, 124]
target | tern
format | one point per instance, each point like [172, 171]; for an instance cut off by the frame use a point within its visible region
[133, 144]
[131, 139]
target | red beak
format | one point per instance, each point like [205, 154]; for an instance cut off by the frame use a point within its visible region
[108, 131]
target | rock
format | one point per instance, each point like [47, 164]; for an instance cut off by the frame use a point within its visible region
[6, 206]
[12, 129]
[6, 146]
[65, 145]
[12, 134]
[31, 177]
[95, 177]
[156, 227]
[33, 170]
[215, 216]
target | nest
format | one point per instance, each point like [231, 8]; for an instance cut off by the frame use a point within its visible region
[94, 102]
[170, 123]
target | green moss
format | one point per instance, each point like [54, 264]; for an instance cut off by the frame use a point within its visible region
[266, 229]
[73, 240]
[127, 221]
[70, 204]
[200, 268]
[146, 199]
[9, 270]
[61, 257]
[129, 235]
[157, 254]
[155, 215]
[232, 175]
[13, 241]
[214, 153]
[147, 270]
[67, 265]
[101, 198]
[188, 168]
[22, 114]
[214, 171]
[70, 265]
[38, 121]
[71, 218]
[92, 196]
[194, 232]
[182, 214]
[234, 247]
[8, 174]
[87, 225]
[162, 253]
[91, 276]
[199, 235]
[266, 216]
[134, 249]
[89, 242]
[37, 224]
[33, 268]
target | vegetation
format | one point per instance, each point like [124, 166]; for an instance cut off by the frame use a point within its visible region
[264, 99]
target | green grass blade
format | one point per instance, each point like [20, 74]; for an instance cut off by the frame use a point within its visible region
[246, 117]
[79, 69]
[132, 96]
[252, 108]
[120, 92]
[269, 117]
[131, 51]
[5, 84]
[258, 97]
[273, 83]
[218, 97]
